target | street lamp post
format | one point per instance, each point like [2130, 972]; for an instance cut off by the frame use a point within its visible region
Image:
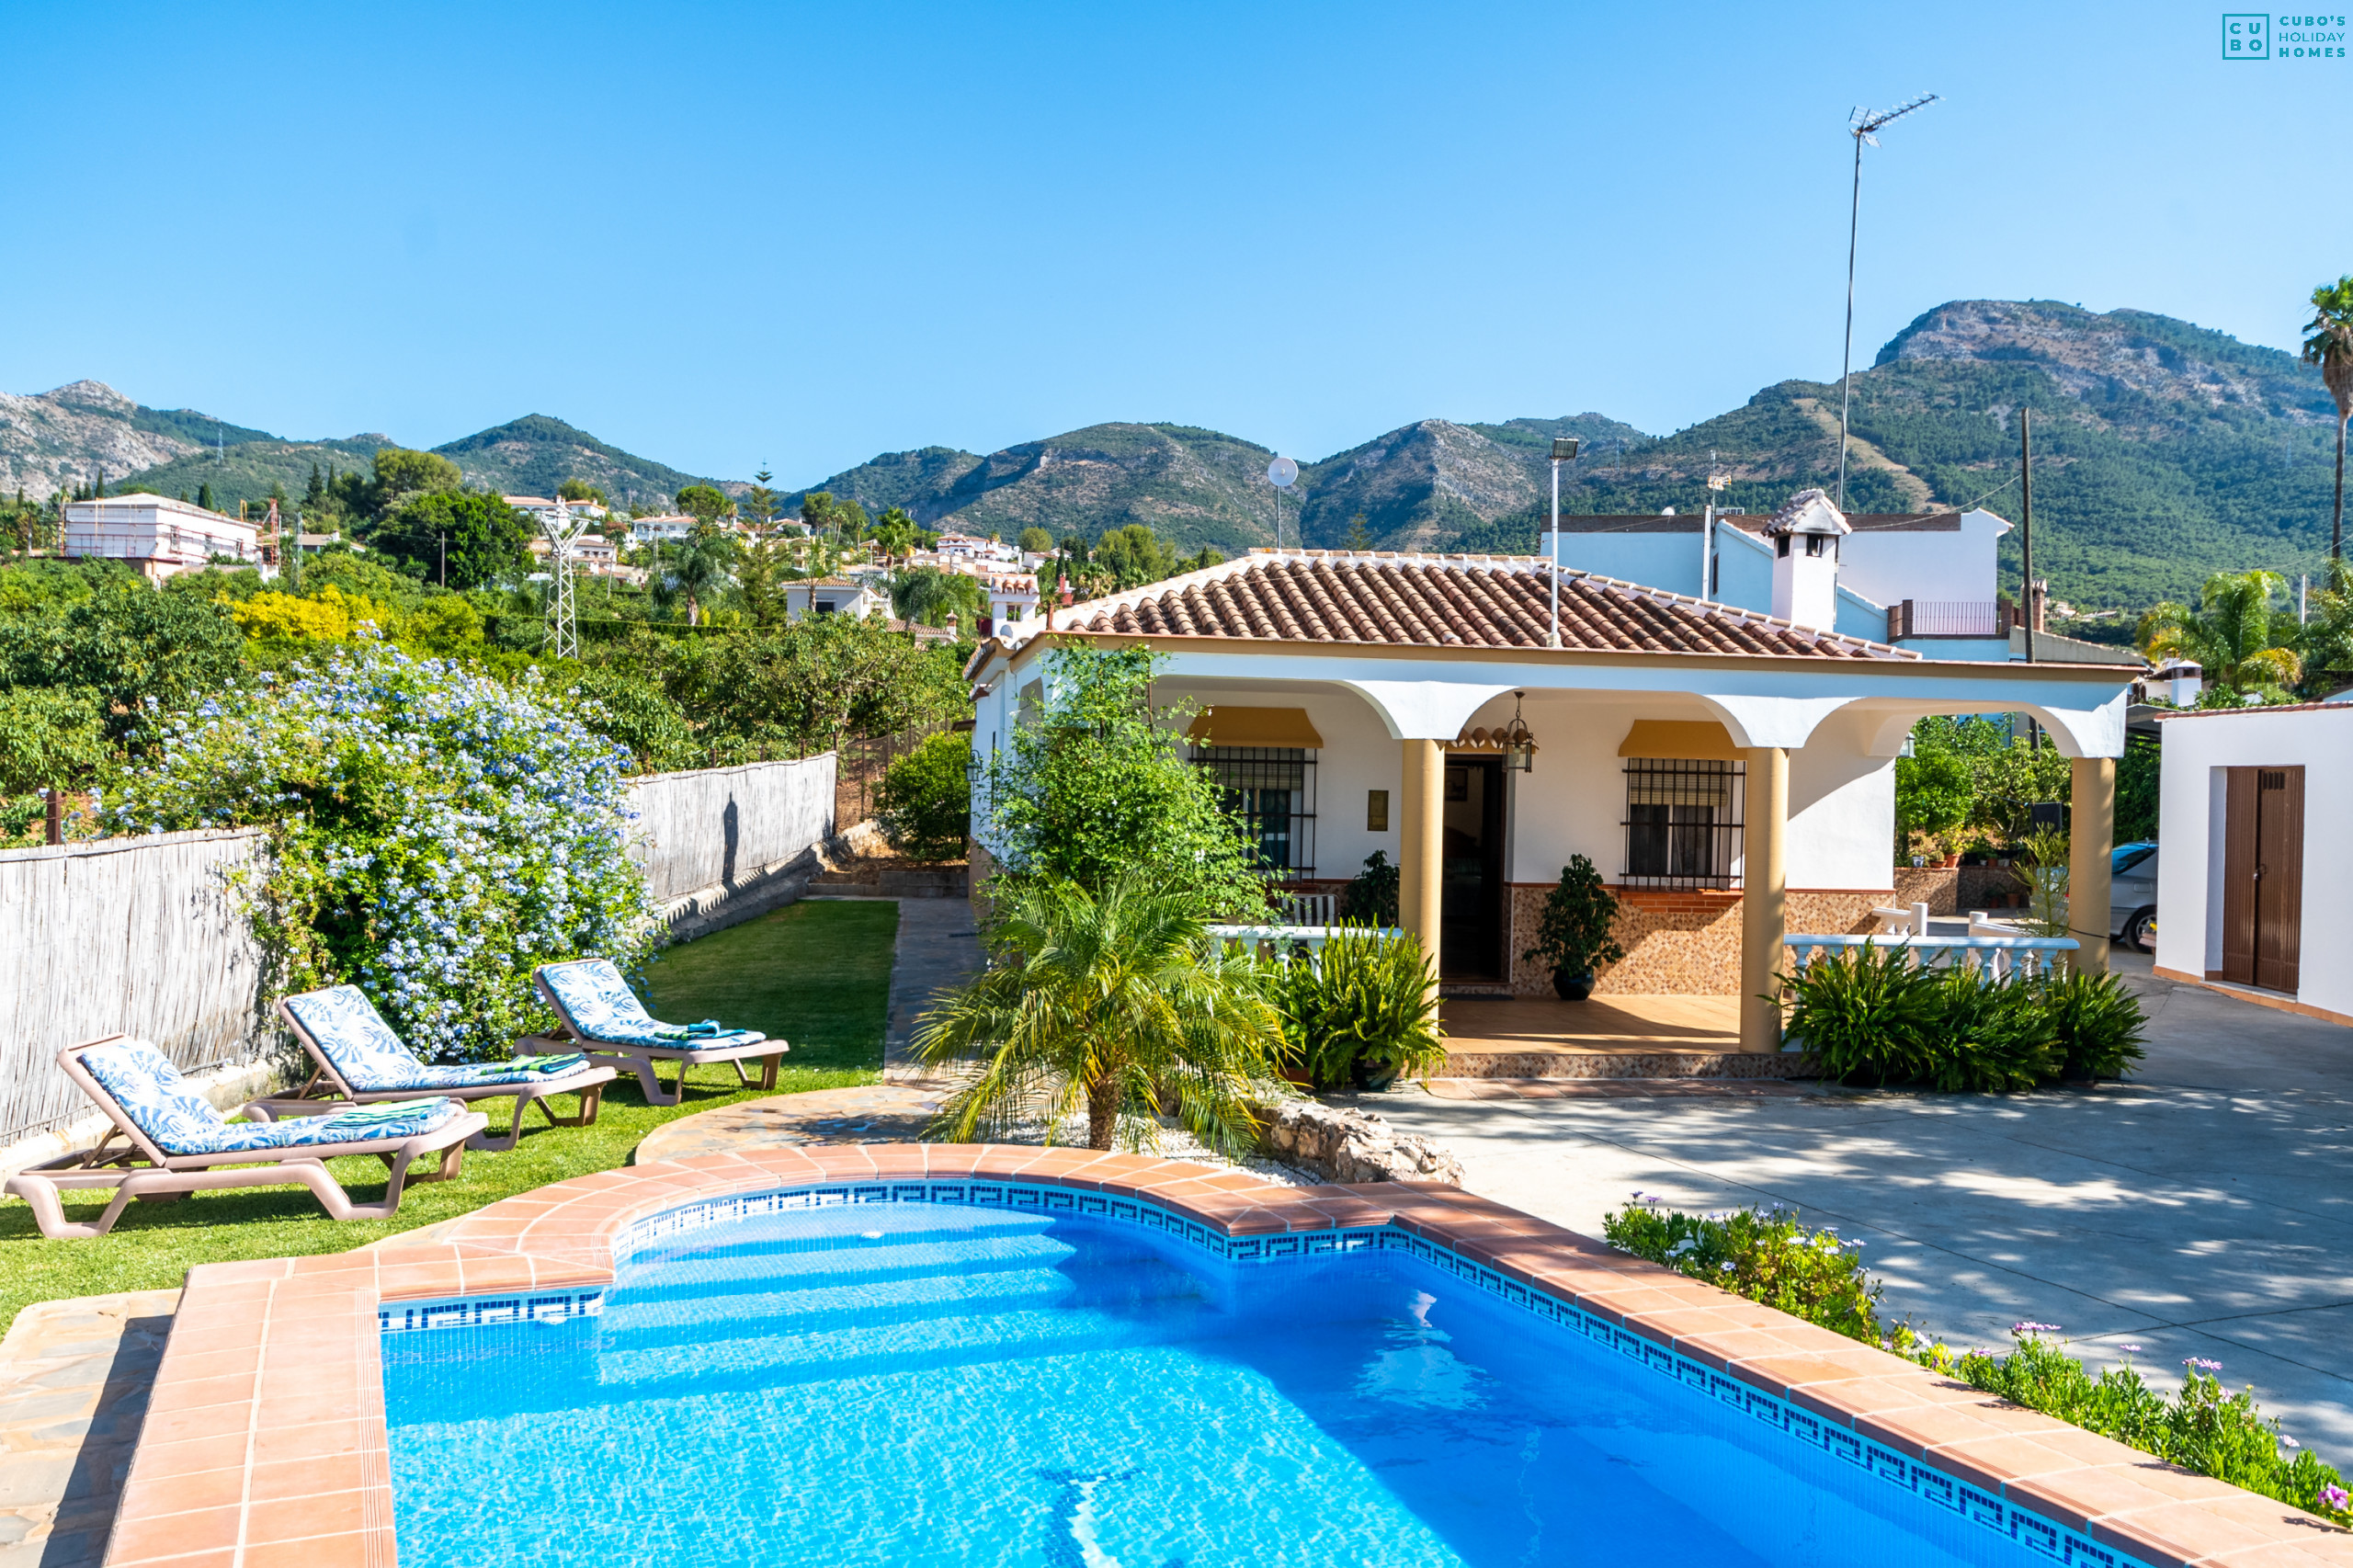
[1564, 450]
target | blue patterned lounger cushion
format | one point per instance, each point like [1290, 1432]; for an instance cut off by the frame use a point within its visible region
[158, 1101]
[370, 1058]
[599, 1007]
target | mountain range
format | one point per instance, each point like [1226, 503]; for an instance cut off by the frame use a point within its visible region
[2163, 452]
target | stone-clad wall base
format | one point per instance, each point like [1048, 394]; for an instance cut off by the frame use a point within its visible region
[1627, 1064]
[1678, 943]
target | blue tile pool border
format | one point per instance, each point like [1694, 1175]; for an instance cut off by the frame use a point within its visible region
[1912, 1477]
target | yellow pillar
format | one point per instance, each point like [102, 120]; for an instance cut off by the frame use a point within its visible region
[1764, 895]
[1423, 835]
[2091, 838]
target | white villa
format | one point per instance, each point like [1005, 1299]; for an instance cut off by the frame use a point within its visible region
[1731, 773]
[160, 536]
[1920, 580]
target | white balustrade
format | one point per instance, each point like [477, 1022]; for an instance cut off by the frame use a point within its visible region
[1283, 940]
[2008, 956]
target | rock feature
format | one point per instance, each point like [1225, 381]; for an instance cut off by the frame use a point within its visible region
[1347, 1146]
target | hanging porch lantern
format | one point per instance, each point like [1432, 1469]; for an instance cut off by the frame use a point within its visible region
[1519, 746]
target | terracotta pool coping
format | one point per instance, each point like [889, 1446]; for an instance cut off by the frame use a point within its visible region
[264, 1443]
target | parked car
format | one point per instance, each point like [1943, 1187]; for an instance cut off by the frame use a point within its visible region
[2132, 896]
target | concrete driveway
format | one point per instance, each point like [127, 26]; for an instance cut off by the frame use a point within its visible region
[2204, 1208]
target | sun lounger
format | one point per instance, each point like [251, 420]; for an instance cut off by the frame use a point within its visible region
[188, 1146]
[360, 1060]
[604, 1017]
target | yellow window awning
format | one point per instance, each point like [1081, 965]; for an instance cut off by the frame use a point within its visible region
[1701, 739]
[1225, 725]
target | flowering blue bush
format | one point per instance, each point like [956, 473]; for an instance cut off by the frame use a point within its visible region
[436, 834]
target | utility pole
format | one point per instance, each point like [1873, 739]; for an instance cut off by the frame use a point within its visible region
[441, 541]
[2026, 523]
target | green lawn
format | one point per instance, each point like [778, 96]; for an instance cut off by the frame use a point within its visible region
[817, 974]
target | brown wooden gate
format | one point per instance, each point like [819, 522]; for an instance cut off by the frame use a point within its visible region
[2263, 877]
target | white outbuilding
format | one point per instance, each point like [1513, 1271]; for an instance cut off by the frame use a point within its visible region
[2247, 867]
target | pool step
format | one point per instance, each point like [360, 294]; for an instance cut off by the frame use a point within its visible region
[849, 1297]
[706, 1276]
[873, 1349]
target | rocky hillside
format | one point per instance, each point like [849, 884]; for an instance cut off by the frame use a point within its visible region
[2164, 452]
[59, 439]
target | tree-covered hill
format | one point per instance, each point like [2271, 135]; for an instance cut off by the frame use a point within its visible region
[533, 455]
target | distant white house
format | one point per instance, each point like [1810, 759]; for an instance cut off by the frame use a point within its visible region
[672, 526]
[160, 536]
[1926, 581]
[834, 595]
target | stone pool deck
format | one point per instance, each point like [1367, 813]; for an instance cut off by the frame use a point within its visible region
[266, 1444]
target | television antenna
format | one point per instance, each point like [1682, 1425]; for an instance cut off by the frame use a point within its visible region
[1282, 474]
[562, 531]
[1863, 125]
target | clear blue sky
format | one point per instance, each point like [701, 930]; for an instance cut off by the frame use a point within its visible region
[721, 235]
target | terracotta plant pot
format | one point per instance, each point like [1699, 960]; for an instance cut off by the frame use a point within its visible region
[1573, 987]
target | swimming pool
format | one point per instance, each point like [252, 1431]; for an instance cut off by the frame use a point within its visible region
[799, 1378]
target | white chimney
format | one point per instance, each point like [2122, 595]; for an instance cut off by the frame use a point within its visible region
[2183, 681]
[1805, 536]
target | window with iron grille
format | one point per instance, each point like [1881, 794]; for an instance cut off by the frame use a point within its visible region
[1682, 822]
[1272, 791]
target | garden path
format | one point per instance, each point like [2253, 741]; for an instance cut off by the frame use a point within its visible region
[74, 1381]
[2204, 1208]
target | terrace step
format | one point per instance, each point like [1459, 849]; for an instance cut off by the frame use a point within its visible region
[1627, 1064]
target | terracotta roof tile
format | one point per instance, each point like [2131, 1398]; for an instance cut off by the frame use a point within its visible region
[1444, 601]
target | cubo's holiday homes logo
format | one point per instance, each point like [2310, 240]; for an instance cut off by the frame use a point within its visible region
[2252, 36]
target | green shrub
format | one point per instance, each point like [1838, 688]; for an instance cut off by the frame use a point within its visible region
[1370, 897]
[1865, 1013]
[1574, 933]
[1989, 1036]
[1870, 1016]
[1765, 1255]
[2099, 1024]
[2200, 1427]
[1365, 1010]
[926, 800]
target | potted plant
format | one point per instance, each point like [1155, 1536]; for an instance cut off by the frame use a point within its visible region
[1573, 935]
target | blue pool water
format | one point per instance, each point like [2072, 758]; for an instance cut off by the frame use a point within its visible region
[918, 1383]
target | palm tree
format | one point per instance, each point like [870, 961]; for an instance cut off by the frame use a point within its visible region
[927, 596]
[703, 571]
[2228, 635]
[1120, 1003]
[2328, 343]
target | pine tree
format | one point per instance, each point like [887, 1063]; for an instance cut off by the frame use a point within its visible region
[204, 495]
[316, 491]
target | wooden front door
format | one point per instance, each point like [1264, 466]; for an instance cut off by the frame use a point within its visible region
[2263, 877]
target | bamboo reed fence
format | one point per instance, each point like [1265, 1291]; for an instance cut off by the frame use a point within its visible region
[146, 935]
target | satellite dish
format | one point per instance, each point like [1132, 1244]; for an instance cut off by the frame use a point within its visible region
[1282, 474]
